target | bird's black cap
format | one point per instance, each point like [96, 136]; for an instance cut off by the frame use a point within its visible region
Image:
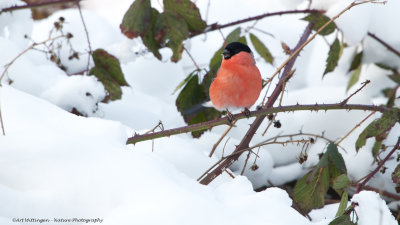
[234, 48]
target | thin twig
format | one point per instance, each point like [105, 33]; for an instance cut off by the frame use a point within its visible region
[244, 150]
[245, 163]
[220, 139]
[216, 26]
[24, 51]
[355, 127]
[363, 85]
[389, 47]
[269, 124]
[380, 191]
[86, 33]
[34, 5]
[229, 173]
[316, 33]
[360, 186]
[223, 149]
[2, 123]
[288, 65]
[258, 121]
[191, 57]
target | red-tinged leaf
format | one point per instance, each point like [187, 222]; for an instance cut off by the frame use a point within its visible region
[137, 19]
[171, 30]
[108, 71]
[396, 178]
[188, 11]
[148, 38]
[333, 57]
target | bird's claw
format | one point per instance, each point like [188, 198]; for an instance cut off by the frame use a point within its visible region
[230, 117]
[246, 112]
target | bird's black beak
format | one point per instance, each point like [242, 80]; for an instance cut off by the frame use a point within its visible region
[226, 53]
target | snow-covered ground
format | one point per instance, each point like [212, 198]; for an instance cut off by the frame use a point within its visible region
[55, 165]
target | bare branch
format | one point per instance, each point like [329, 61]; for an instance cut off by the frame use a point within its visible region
[257, 113]
[86, 33]
[35, 5]
[361, 185]
[389, 47]
[216, 26]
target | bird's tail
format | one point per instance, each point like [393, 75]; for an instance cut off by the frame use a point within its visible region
[197, 108]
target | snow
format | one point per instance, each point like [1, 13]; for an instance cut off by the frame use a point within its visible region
[54, 164]
[372, 209]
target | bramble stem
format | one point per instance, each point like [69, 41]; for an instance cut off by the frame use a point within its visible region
[265, 111]
[361, 185]
[35, 5]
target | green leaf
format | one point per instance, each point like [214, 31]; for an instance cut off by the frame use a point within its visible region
[378, 126]
[396, 178]
[172, 31]
[333, 57]
[261, 49]
[137, 19]
[375, 149]
[342, 220]
[395, 77]
[341, 182]
[192, 95]
[355, 76]
[311, 195]
[343, 203]
[108, 71]
[385, 67]
[189, 11]
[180, 85]
[356, 62]
[148, 37]
[336, 158]
[319, 19]
[232, 36]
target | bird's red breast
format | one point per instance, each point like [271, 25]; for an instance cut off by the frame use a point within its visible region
[238, 83]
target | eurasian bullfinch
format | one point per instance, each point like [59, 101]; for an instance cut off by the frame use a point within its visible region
[238, 82]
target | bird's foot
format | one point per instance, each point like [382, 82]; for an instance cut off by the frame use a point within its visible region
[246, 112]
[230, 117]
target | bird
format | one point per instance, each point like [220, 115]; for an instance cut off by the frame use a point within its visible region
[238, 82]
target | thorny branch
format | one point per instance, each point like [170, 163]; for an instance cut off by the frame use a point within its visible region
[224, 121]
[390, 48]
[27, 49]
[34, 5]
[257, 122]
[216, 26]
[286, 75]
[361, 185]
